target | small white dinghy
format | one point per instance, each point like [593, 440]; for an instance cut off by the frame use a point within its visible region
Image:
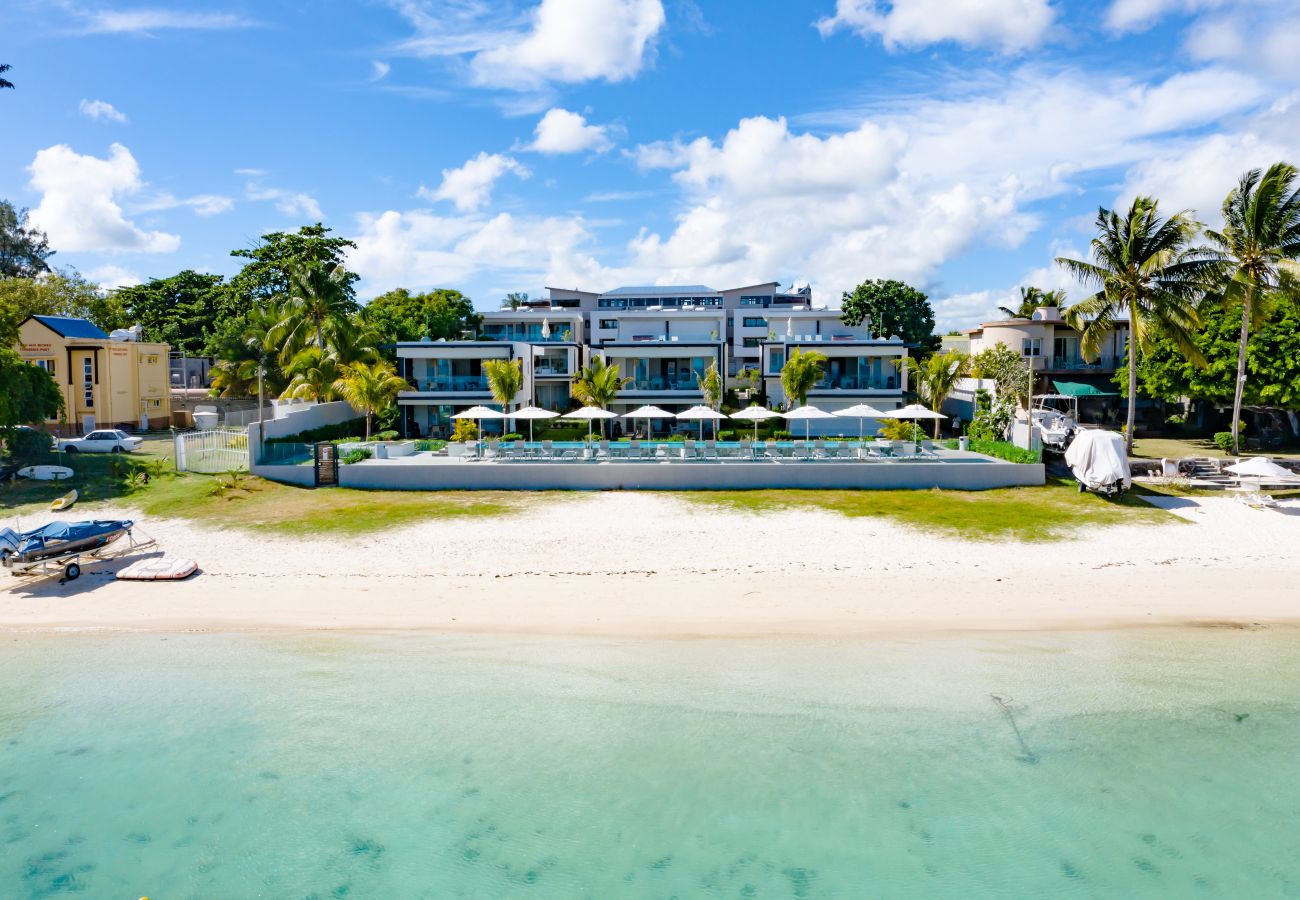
[45, 473]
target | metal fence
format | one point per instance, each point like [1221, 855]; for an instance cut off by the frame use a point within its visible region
[218, 450]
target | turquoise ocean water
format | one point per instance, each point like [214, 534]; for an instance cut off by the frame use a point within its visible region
[1118, 764]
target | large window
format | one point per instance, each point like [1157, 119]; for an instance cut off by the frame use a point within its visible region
[753, 322]
[46, 364]
[1031, 346]
[755, 301]
[751, 341]
[88, 382]
[778, 360]
[609, 323]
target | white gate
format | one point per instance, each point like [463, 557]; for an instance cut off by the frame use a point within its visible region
[218, 450]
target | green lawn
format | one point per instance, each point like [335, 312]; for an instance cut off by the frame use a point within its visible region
[1053, 512]
[1179, 448]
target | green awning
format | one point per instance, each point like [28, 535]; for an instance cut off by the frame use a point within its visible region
[1081, 389]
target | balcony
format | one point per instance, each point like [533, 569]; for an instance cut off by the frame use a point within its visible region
[1076, 363]
[680, 383]
[531, 335]
[853, 383]
[451, 384]
[557, 368]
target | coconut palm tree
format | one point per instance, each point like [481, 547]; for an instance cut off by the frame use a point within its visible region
[1258, 245]
[505, 378]
[710, 382]
[1144, 270]
[598, 384]
[370, 387]
[312, 371]
[1031, 298]
[255, 355]
[317, 295]
[800, 374]
[5, 67]
[935, 377]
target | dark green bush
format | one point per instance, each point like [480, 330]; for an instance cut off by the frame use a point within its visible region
[781, 434]
[727, 435]
[1223, 440]
[24, 444]
[1000, 450]
[426, 446]
[342, 431]
[385, 436]
[512, 436]
[356, 456]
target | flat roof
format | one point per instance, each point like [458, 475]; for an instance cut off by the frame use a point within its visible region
[659, 290]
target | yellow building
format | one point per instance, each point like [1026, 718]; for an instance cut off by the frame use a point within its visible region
[106, 383]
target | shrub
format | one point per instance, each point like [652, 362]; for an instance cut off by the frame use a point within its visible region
[426, 446]
[781, 434]
[341, 431]
[512, 436]
[356, 456]
[465, 430]
[1003, 450]
[1223, 440]
[385, 436]
[1176, 419]
[26, 444]
[727, 435]
[675, 437]
[901, 430]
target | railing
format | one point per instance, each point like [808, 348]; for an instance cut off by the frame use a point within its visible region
[454, 383]
[217, 450]
[852, 383]
[532, 337]
[285, 454]
[1078, 362]
[663, 384]
[555, 369]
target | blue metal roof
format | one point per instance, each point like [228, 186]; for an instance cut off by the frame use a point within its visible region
[67, 327]
[659, 290]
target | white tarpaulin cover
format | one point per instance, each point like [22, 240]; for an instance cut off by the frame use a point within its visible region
[1263, 468]
[1097, 458]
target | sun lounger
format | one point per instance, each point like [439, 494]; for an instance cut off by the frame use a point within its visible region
[820, 451]
[711, 450]
[801, 450]
[602, 450]
[688, 450]
[547, 451]
[634, 450]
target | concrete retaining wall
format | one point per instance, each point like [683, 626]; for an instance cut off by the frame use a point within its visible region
[294, 420]
[957, 475]
[303, 476]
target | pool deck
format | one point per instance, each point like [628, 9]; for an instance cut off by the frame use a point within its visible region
[950, 469]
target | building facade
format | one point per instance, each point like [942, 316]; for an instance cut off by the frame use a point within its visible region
[106, 382]
[663, 338]
[1053, 348]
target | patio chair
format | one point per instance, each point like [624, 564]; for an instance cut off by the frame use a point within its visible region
[711, 450]
[801, 450]
[688, 449]
[602, 450]
[547, 451]
[927, 448]
[567, 455]
[634, 450]
[820, 451]
[771, 449]
[747, 450]
[519, 450]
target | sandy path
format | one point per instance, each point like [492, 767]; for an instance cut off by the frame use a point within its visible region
[641, 564]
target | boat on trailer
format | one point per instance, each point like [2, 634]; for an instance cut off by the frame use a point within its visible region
[60, 545]
[1057, 418]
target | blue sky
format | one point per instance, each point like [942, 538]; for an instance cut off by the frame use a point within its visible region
[491, 147]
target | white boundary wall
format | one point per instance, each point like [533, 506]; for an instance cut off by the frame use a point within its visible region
[296, 418]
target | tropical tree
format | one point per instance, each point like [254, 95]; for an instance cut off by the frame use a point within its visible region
[505, 379]
[598, 384]
[711, 385]
[802, 370]
[312, 374]
[24, 248]
[370, 388]
[31, 394]
[935, 377]
[5, 67]
[1031, 298]
[182, 310]
[399, 315]
[1145, 270]
[514, 300]
[892, 307]
[250, 366]
[1258, 245]
[317, 294]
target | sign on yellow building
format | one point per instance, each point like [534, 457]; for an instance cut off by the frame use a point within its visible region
[105, 383]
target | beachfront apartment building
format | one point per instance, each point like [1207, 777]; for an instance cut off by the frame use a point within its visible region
[1052, 346]
[107, 381]
[662, 337]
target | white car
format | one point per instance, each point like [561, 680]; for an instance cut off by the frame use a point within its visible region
[102, 441]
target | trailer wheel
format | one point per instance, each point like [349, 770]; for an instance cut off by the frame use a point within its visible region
[71, 572]
[1082, 487]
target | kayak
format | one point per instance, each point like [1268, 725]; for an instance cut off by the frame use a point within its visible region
[64, 502]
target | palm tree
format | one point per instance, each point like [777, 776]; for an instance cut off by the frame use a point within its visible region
[936, 376]
[598, 384]
[255, 355]
[1145, 270]
[505, 378]
[5, 67]
[1259, 244]
[710, 382]
[1031, 298]
[317, 294]
[514, 300]
[312, 373]
[800, 373]
[370, 388]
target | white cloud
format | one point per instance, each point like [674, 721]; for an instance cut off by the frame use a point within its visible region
[1139, 15]
[79, 209]
[1258, 37]
[564, 41]
[112, 277]
[148, 20]
[470, 186]
[1009, 25]
[202, 204]
[291, 203]
[909, 188]
[562, 131]
[99, 109]
[379, 70]
[420, 249]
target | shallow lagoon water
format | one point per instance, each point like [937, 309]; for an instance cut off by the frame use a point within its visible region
[1127, 763]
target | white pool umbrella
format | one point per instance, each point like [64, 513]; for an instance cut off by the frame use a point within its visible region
[1261, 468]
[546, 329]
[648, 412]
[591, 414]
[914, 412]
[755, 414]
[703, 413]
[532, 413]
[479, 413]
[860, 412]
[806, 414]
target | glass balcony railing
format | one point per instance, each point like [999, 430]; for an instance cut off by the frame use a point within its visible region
[532, 336]
[551, 368]
[687, 383]
[456, 383]
[853, 383]
[1078, 362]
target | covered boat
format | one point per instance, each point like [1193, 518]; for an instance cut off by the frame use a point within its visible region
[1099, 462]
[58, 539]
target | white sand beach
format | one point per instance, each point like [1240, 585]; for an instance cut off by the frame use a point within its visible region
[651, 565]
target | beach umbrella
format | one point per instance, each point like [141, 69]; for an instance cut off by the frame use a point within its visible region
[591, 414]
[860, 412]
[806, 414]
[546, 329]
[530, 413]
[478, 414]
[755, 414]
[648, 412]
[702, 413]
[1261, 468]
[913, 412]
